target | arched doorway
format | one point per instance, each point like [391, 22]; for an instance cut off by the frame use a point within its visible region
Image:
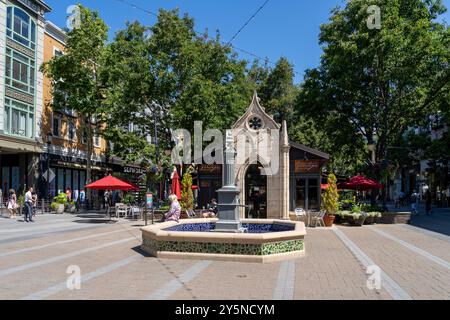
[255, 192]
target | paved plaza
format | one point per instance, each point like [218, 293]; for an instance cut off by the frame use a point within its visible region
[35, 259]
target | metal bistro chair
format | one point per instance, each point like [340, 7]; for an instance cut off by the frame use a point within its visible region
[300, 215]
[317, 218]
[121, 210]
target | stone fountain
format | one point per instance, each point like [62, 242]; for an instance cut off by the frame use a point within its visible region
[229, 237]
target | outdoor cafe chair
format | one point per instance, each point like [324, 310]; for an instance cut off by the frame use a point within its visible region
[300, 215]
[317, 218]
[121, 210]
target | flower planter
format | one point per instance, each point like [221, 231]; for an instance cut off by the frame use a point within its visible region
[59, 209]
[369, 219]
[328, 219]
[352, 220]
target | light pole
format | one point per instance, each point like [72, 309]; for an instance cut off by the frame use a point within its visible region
[49, 142]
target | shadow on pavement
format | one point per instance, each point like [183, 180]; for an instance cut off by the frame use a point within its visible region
[437, 222]
[96, 221]
[138, 250]
[91, 215]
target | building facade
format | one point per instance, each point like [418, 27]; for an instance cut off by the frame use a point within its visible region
[22, 26]
[273, 183]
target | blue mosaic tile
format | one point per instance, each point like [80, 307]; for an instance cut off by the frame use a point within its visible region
[251, 227]
[192, 227]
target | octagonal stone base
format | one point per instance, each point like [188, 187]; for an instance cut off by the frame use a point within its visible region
[244, 247]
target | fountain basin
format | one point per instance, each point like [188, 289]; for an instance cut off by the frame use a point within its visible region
[266, 240]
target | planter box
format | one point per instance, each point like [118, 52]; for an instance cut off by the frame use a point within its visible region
[356, 222]
[396, 217]
[369, 219]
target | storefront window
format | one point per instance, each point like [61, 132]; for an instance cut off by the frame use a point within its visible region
[68, 180]
[313, 194]
[300, 193]
[60, 180]
[76, 190]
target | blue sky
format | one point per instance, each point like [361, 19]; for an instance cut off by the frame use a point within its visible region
[287, 28]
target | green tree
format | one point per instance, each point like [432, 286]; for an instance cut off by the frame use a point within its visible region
[76, 77]
[167, 76]
[278, 91]
[187, 196]
[372, 84]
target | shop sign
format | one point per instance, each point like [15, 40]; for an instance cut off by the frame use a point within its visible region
[210, 169]
[307, 166]
[133, 170]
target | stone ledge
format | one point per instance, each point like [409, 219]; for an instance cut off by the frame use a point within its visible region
[256, 247]
[396, 217]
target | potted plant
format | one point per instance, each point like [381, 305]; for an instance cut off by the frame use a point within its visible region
[71, 207]
[356, 216]
[330, 201]
[59, 203]
[376, 217]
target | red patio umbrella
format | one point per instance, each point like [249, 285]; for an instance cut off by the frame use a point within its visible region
[360, 183]
[112, 183]
[176, 188]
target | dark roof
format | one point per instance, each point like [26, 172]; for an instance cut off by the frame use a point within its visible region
[309, 150]
[44, 5]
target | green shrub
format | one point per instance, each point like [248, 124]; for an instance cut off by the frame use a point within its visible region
[331, 198]
[187, 196]
[54, 206]
[356, 209]
[61, 198]
[128, 198]
[375, 214]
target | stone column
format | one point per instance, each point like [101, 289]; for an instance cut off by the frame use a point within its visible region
[285, 173]
[229, 193]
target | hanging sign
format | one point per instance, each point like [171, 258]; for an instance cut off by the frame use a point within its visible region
[149, 200]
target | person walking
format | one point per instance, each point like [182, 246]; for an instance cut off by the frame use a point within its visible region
[12, 203]
[415, 202]
[428, 202]
[29, 205]
[34, 203]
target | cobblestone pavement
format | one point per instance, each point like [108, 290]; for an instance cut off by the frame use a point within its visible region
[34, 259]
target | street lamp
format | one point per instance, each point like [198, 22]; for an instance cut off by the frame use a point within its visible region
[49, 142]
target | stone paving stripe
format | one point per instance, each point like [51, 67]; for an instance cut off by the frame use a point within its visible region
[284, 289]
[415, 249]
[35, 227]
[18, 238]
[60, 242]
[437, 235]
[173, 286]
[392, 287]
[59, 258]
[40, 295]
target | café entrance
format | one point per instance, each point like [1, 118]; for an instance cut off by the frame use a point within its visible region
[255, 193]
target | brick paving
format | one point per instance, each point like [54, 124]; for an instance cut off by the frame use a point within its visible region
[34, 259]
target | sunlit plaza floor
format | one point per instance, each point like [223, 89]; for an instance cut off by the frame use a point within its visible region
[37, 261]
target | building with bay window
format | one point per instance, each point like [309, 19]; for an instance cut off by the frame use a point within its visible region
[22, 28]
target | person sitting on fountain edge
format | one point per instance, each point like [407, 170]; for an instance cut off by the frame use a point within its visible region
[175, 209]
[212, 210]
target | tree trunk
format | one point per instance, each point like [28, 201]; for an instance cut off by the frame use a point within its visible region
[88, 158]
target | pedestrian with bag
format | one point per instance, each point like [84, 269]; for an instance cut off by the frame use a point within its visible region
[12, 203]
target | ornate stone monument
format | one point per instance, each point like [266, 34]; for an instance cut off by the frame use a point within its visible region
[229, 194]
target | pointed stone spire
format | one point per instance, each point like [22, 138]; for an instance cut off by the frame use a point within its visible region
[284, 134]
